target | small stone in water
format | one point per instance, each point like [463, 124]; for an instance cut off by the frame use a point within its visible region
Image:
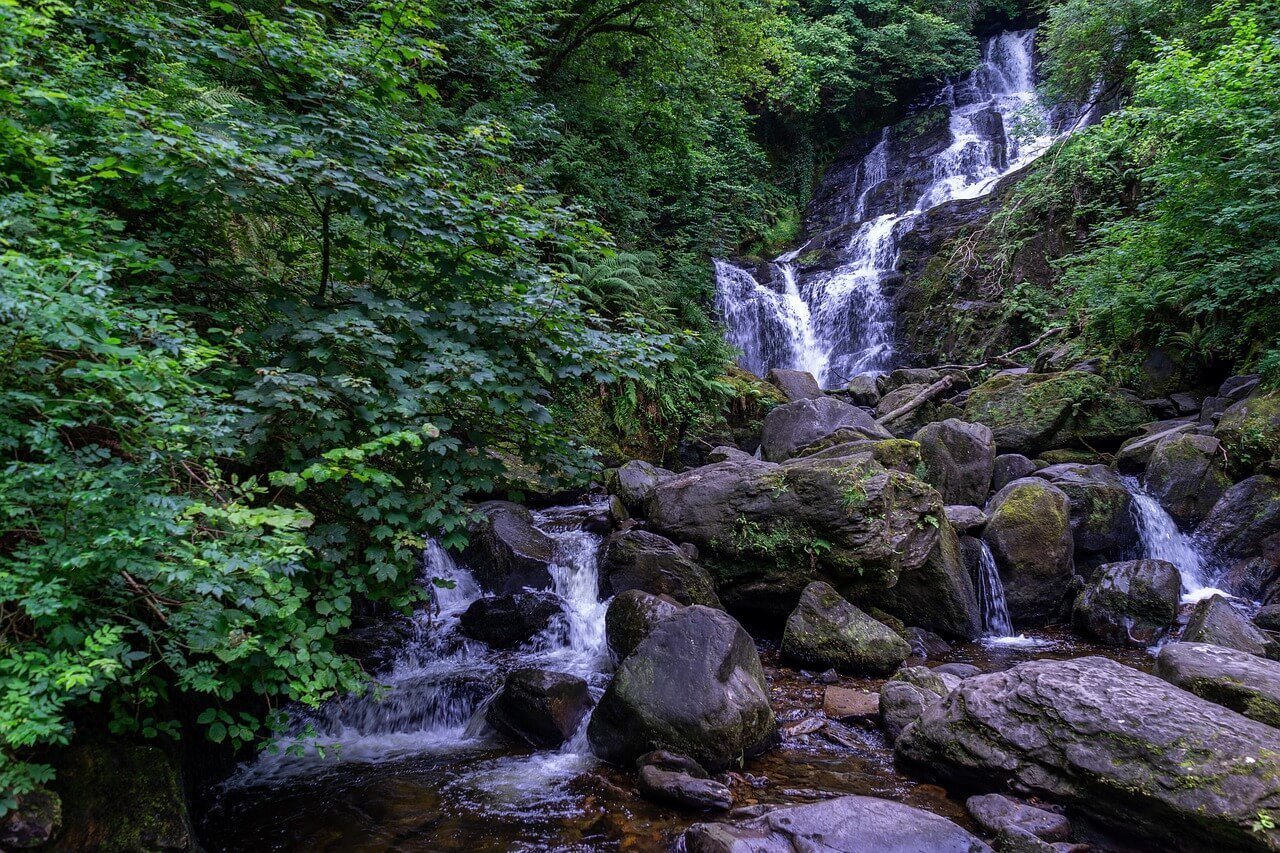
[843, 702]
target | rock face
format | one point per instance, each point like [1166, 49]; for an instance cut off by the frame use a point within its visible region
[506, 621]
[637, 559]
[540, 707]
[1103, 528]
[789, 429]
[1124, 747]
[1215, 621]
[766, 530]
[795, 384]
[1242, 682]
[959, 459]
[843, 825]
[1029, 533]
[505, 552]
[825, 631]
[33, 821]
[631, 616]
[1186, 476]
[1129, 604]
[693, 686]
[634, 483]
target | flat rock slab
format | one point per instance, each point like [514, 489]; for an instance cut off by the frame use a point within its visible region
[997, 813]
[1124, 747]
[844, 702]
[1234, 679]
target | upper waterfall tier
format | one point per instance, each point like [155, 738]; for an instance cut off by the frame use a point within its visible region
[822, 307]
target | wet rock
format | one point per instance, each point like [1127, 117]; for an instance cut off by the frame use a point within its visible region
[863, 391]
[1215, 621]
[842, 703]
[1009, 467]
[684, 790]
[1237, 680]
[1245, 515]
[694, 686]
[1250, 431]
[631, 616]
[1186, 476]
[959, 459]
[965, 519]
[795, 384]
[1103, 528]
[505, 552]
[33, 822]
[1123, 747]
[789, 429]
[1029, 533]
[1186, 402]
[540, 707]
[1042, 411]
[1129, 604]
[672, 761]
[506, 621]
[959, 670]
[937, 595]
[638, 559]
[1268, 618]
[766, 530]
[635, 482]
[926, 644]
[996, 813]
[1134, 455]
[911, 376]
[851, 824]
[826, 631]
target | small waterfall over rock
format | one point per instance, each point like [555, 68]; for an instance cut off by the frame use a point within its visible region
[1162, 540]
[836, 321]
[995, 612]
[432, 700]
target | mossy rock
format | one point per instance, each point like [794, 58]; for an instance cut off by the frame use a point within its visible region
[1250, 433]
[826, 631]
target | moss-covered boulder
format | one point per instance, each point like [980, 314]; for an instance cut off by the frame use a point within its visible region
[1029, 533]
[539, 707]
[903, 697]
[825, 631]
[959, 459]
[1103, 528]
[638, 559]
[1032, 412]
[1233, 679]
[1186, 475]
[33, 820]
[693, 686]
[1250, 432]
[631, 615]
[634, 482]
[900, 454]
[1129, 604]
[937, 595]
[1112, 743]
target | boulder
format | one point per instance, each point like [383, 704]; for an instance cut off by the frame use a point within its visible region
[844, 703]
[795, 384]
[631, 616]
[1103, 527]
[1120, 746]
[766, 530]
[903, 698]
[959, 670]
[693, 686]
[1134, 454]
[1008, 467]
[539, 707]
[1029, 533]
[1250, 432]
[826, 631]
[937, 595]
[1215, 621]
[1268, 618]
[923, 376]
[1245, 515]
[638, 559]
[852, 824]
[959, 459]
[506, 621]
[682, 789]
[723, 453]
[911, 422]
[33, 821]
[863, 391]
[1186, 476]
[996, 813]
[1032, 412]
[1237, 680]
[1129, 604]
[505, 552]
[634, 483]
[965, 519]
[900, 454]
[926, 644]
[791, 428]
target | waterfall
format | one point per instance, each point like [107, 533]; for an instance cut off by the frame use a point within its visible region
[1162, 540]
[837, 323]
[995, 612]
[434, 695]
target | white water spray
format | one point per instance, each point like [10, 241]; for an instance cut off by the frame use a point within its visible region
[1162, 540]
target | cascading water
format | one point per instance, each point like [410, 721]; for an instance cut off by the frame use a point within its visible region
[1162, 540]
[435, 693]
[837, 323]
[995, 612]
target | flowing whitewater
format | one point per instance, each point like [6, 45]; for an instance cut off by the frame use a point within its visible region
[991, 602]
[433, 697]
[838, 322]
[1162, 540]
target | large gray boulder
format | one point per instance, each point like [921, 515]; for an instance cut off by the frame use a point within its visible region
[937, 595]
[863, 390]
[630, 617]
[844, 825]
[1135, 454]
[638, 559]
[1009, 467]
[1245, 515]
[795, 384]
[903, 697]
[634, 483]
[790, 429]
[1237, 680]
[1187, 475]
[1123, 747]
[959, 459]
[693, 686]
[1215, 621]
[766, 530]
[997, 813]
[539, 707]
[1103, 528]
[505, 552]
[1029, 533]
[1129, 604]
[827, 632]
